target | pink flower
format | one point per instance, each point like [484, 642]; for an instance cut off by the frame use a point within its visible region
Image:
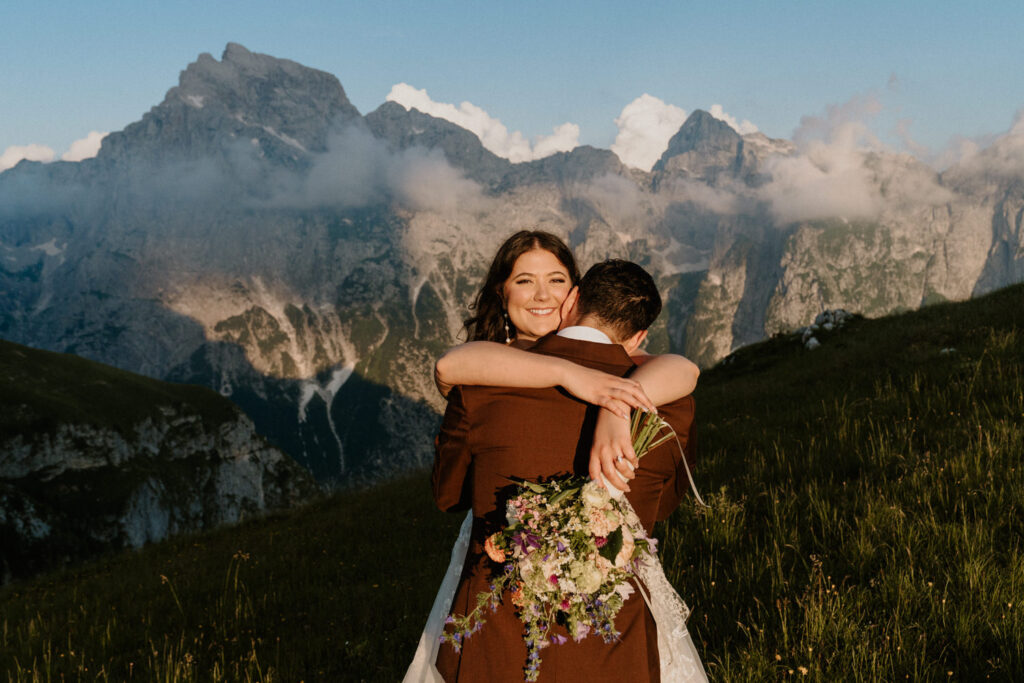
[599, 523]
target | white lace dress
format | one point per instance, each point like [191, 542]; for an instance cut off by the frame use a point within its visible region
[680, 662]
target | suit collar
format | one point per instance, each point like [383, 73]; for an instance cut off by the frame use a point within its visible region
[612, 354]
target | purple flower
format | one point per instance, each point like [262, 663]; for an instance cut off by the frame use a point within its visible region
[558, 639]
[561, 547]
[526, 540]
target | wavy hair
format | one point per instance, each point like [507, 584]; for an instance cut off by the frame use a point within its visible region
[488, 321]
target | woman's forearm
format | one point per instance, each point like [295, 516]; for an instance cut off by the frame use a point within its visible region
[497, 365]
[667, 377]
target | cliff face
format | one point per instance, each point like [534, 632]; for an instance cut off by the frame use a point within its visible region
[253, 233]
[92, 459]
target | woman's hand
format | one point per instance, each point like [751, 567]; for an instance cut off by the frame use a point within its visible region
[612, 451]
[613, 393]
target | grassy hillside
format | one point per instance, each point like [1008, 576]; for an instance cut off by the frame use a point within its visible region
[865, 523]
[41, 390]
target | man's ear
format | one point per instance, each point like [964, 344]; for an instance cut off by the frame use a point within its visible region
[634, 342]
[567, 310]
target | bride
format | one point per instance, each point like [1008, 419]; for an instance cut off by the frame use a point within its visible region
[531, 275]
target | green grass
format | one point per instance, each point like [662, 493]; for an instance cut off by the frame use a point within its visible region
[41, 390]
[865, 524]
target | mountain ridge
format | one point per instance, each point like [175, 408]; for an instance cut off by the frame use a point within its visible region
[311, 263]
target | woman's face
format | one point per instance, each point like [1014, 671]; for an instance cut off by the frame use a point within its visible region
[537, 287]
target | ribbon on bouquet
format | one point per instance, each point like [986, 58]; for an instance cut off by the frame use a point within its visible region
[661, 425]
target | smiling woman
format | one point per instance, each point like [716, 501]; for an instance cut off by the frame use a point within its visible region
[528, 280]
[534, 293]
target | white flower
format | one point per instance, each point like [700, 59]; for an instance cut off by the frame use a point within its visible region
[594, 495]
[588, 577]
[624, 589]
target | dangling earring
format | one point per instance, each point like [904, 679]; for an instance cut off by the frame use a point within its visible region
[508, 338]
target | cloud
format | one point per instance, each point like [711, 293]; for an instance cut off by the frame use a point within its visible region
[743, 128]
[645, 126]
[828, 178]
[727, 200]
[491, 131]
[85, 148]
[902, 132]
[15, 153]
[359, 170]
[995, 156]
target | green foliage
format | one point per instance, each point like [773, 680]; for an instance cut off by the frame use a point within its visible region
[338, 591]
[866, 503]
[865, 523]
[41, 390]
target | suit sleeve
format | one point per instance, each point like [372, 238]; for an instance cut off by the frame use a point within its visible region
[679, 414]
[452, 457]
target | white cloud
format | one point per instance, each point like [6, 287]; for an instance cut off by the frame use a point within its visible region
[15, 153]
[85, 148]
[1000, 156]
[645, 126]
[424, 181]
[743, 128]
[828, 178]
[359, 170]
[492, 132]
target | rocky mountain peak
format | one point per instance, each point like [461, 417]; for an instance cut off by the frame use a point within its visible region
[404, 128]
[705, 148]
[282, 108]
[701, 133]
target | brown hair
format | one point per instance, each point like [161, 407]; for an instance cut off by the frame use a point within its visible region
[488, 321]
[622, 295]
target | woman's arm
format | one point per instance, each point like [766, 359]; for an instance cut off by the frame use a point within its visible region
[667, 377]
[664, 378]
[493, 364]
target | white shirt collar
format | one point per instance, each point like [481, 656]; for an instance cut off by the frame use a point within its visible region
[583, 333]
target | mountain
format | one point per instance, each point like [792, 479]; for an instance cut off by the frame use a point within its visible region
[255, 234]
[93, 458]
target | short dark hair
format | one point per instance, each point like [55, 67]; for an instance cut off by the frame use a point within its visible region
[488, 321]
[622, 295]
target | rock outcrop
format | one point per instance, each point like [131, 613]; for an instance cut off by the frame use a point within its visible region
[93, 458]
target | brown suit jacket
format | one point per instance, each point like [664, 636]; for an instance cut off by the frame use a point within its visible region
[491, 435]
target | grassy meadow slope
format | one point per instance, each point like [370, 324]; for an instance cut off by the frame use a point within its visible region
[865, 523]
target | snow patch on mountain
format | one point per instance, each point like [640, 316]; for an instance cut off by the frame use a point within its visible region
[50, 248]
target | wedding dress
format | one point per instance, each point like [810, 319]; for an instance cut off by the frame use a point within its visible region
[680, 662]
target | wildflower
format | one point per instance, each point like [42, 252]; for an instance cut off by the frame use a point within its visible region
[492, 549]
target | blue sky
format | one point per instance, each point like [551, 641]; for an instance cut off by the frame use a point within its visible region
[946, 69]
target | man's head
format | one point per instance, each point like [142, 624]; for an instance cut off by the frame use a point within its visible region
[617, 297]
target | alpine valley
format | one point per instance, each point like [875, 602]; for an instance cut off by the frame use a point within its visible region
[256, 234]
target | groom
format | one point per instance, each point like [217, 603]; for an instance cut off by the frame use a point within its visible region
[492, 435]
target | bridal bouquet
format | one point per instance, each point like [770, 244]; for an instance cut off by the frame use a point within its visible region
[568, 555]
